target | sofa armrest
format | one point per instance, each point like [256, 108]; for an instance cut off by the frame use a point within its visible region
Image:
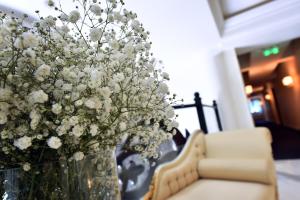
[173, 176]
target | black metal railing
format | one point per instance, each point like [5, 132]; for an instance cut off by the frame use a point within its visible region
[200, 111]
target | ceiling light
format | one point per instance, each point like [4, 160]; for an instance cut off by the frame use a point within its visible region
[287, 81]
[248, 89]
[268, 97]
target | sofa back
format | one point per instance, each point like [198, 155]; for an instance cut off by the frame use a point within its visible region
[247, 143]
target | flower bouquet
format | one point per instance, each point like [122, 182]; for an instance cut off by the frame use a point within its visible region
[72, 87]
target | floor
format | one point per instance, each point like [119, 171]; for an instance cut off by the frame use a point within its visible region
[288, 175]
[286, 151]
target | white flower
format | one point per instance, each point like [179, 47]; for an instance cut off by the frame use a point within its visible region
[105, 92]
[122, 126]
[170, 112]
[27, 40]
[54, 142]
[118, 16]
[77, 131]
[78, 103]
[135, 24]
[174, 124]
[38, 97]
[1, 39]
[56, 108]
[110, 18]
[165, 75]
[63, 17]
[42, 72]
[114, 44]
[50, 3]
[18, 43]
[64, 29]
[129, 50]
[5, 94]
[78, 156]
[50, 21]
[35, 119]
[74, 120]
[30, 40]
[93, 129]
[119, 77]
[23, 142]
[96, 9]
[95, 34]
[39, 136]
[81, 87]
[163, 88]
[93, 103]
[67, 87]
[26, 166]
[29, 53]
[74, 16]
[3, 118]
[96, 75]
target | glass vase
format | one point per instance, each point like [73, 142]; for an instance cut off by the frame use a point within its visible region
[92, 178]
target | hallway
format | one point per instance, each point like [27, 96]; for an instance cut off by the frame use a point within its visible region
[286, 141]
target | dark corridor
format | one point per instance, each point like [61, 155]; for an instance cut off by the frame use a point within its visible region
[286, 141]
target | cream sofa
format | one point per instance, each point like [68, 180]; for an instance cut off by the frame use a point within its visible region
[232, 165]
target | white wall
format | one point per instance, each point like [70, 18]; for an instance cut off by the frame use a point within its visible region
[186, 38]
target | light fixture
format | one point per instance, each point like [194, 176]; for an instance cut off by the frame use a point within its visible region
[248, 89]
[268, 97]
[287, 80]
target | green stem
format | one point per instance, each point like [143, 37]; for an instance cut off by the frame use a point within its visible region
[31, 188]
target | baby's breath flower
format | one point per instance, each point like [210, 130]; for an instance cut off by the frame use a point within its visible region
[56, 108]
[95, 34]
[3, 118]
[50, 3]
[26, 166]
[78, 156]
[42, 72]
[23, 142]
[74, 16]
[54, 142]
[96, 9]
[38, 97]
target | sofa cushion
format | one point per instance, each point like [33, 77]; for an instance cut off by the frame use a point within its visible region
[256, 170]
[248, 143]
[206, 189]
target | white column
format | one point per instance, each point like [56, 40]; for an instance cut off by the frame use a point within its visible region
[231, 97]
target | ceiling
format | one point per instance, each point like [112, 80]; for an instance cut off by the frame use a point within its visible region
[234, 7]
[247, 25]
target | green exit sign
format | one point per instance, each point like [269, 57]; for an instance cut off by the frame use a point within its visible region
[271, 51]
